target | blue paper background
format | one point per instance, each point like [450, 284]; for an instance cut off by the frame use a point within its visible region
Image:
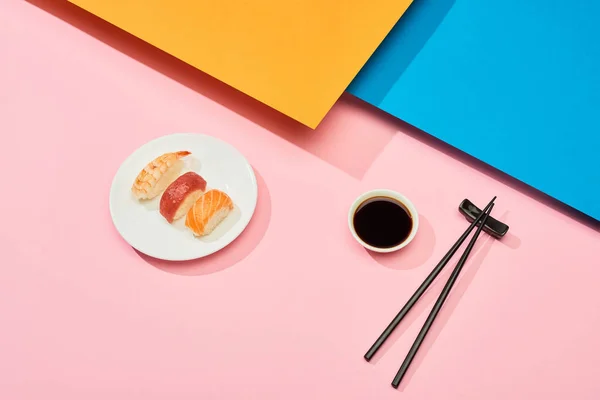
[515, 84]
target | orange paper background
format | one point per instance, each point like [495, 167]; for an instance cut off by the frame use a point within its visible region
[295, 56]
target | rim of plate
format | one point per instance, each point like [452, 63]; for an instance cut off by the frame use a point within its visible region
[195, 135]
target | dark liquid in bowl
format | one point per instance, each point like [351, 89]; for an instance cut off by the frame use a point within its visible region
[382, 222]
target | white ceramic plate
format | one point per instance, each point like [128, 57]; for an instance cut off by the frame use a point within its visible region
[145, 229]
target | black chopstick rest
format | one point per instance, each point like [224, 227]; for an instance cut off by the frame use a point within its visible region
[492, 227]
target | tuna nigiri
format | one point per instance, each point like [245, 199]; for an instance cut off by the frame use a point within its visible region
[181, 195]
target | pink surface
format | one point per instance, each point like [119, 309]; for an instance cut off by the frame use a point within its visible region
[289, 309]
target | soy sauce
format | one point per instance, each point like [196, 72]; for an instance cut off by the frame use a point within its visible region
[382, 222]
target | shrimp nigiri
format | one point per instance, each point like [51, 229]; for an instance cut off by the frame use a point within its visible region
[158, 174]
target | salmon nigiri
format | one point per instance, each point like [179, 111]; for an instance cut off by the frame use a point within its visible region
[158, 174]
[208, 212]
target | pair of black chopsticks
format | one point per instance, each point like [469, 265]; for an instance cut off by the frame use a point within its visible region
[440, 301]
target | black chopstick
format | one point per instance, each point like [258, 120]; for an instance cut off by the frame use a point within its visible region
[426, 283]
[439, 303]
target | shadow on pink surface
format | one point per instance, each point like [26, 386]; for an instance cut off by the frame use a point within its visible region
[333, 130]
[232, 254]
[424, 305]
[493, 173]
